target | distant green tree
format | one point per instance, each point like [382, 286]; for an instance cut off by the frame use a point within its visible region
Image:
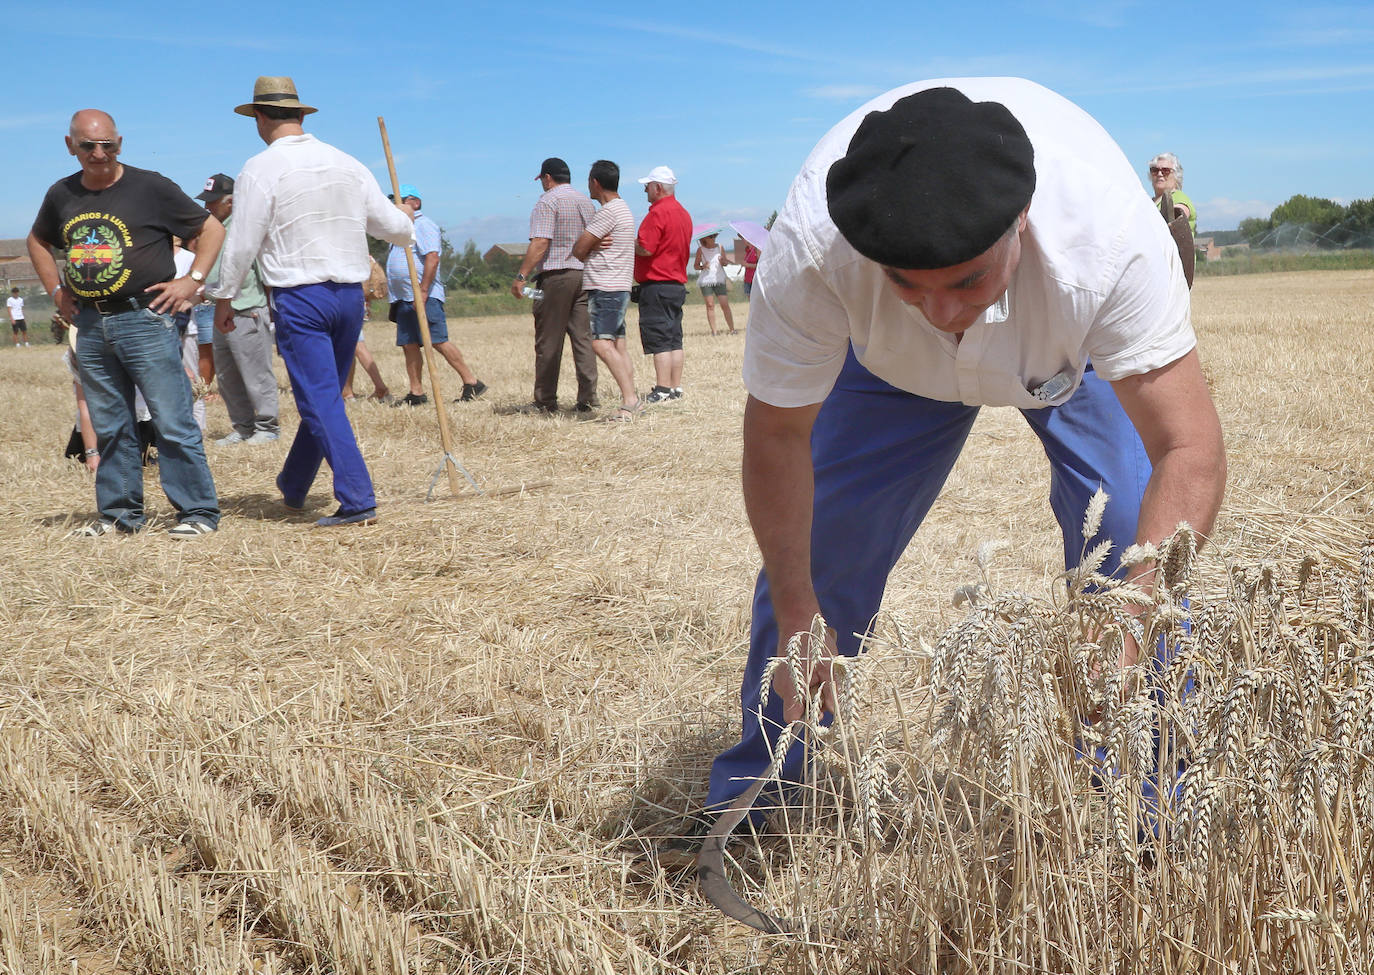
[1253, 228]
[378, 249]
[1359, 216]
[1313, 212]
[465, 270]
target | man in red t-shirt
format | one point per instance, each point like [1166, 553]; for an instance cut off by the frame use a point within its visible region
[661, 249]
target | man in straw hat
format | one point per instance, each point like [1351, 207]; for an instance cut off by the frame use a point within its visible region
[120, 289]
[952, 245]
[303, 209]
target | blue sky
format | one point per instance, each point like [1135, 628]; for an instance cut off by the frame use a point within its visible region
[1260, 100]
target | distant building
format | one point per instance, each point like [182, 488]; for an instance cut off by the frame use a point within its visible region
[499, 251]
[1218, 244]
[16, 270]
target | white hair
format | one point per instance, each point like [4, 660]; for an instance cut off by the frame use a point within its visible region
[1169, 159]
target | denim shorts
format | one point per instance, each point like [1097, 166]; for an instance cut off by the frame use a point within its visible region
[408, 323]
[607, 311]
[203, 317]
[720, 290]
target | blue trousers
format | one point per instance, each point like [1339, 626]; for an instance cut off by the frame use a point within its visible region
[881, 456]
[317, 333]
[117, 354]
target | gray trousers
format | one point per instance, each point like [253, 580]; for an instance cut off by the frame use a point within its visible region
[243, 364]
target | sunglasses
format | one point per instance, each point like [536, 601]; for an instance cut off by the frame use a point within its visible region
[1161, 171]
[87, 145]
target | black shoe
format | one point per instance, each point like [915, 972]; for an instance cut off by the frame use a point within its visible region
[659, 394]
[472, 391]
[585, 407]
[412, 399]
[680, 852]
[539, 408]
[675, 393]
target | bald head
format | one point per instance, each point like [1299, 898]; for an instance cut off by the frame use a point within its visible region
[92, 123]
[95, 142]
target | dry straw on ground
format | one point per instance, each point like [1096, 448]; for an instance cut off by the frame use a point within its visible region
[443, 743]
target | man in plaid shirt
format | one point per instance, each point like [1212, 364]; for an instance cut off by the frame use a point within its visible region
[558, 219]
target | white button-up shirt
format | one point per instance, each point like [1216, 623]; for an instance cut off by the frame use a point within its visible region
[301, 208]
[1099, 278]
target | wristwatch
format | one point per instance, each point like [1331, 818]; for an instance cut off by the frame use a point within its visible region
[519, 277]
[197, 276]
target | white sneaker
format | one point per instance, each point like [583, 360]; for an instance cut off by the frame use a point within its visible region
[233, 438]
[190, 529]
[262, 436]
[95, 529]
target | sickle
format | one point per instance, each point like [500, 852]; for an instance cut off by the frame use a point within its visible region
[711, 869]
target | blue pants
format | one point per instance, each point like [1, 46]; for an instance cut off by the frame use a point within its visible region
[881, 456]
[317, 333]
[116, 353]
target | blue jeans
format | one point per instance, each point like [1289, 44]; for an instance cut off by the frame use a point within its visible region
[881, 456]
[317, 333]
[141, 348]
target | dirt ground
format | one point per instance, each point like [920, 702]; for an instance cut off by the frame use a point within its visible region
[443, 742]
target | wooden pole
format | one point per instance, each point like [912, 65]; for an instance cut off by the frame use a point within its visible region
[445, 439]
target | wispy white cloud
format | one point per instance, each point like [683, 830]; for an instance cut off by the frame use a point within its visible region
[1259, 81]
[486, 230]
[846, 93]
[716, 39]
[1224, 213]
[33, 121]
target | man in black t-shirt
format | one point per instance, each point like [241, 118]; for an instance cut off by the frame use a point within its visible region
[120, 289]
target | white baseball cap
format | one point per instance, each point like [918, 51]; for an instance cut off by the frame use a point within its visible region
[659, 174]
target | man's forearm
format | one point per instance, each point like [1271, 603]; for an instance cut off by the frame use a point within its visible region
[1187, 485]
[427, 278]
[538, 249]
[208, 244]
[582, 249]
[44, 265]
[778, 497]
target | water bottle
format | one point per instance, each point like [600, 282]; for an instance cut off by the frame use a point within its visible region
[534, 294]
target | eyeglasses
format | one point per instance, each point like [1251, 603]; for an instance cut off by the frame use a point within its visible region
[1161, 171]
[108, 145]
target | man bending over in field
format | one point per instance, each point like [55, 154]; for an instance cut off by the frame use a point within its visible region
[952, 245]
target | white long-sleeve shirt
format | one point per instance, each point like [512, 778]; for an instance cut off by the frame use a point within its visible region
[301, 208]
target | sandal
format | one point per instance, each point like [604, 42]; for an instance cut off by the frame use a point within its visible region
[622, 414]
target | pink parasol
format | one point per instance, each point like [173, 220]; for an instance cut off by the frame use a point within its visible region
[750, 231]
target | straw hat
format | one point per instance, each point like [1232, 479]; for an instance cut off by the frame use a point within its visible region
[278, 91]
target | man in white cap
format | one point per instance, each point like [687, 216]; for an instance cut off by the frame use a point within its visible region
[954, 244]
[303, 210]
[661, 250]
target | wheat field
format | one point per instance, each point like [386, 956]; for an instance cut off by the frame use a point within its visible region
[448, 742]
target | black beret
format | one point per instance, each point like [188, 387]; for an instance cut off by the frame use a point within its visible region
[933, 181]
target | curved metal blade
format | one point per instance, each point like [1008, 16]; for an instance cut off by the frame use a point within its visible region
[711, 869]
